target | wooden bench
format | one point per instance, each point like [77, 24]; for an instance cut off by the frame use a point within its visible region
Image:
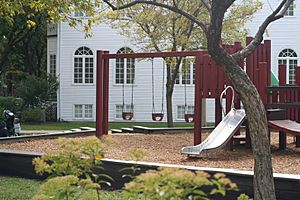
[285, 127]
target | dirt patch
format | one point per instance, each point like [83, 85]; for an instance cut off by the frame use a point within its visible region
[165, 148]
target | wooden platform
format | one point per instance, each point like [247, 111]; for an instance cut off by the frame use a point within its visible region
[285, 127]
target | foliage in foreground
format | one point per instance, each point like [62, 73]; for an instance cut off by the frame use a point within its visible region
[72, 177]
[169, 183]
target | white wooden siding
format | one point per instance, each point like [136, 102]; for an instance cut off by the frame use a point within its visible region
[283, 33]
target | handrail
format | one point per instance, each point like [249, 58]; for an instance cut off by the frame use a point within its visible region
[232, 100]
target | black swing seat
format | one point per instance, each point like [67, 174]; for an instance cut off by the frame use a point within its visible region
[127, 115]
[157, 116]
[189, 118]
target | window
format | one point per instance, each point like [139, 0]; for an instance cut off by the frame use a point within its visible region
[181, 111]
[290, 11]
[52, 66]
[78, 14]
[119, 110]
[186, 73]
[289, 58]
[125, 68]
[83, 111]
[83, 66]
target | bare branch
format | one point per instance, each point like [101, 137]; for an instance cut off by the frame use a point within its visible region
[275, 15]
[166, 6]
[207, 6]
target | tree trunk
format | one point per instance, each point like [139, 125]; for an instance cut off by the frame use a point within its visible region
[169, 94]
[263, 173]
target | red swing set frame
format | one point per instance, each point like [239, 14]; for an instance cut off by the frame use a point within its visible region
[210, 80]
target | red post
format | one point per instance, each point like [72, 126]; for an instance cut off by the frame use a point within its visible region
[297, 97]
[249, 61]
[99, 95]
[263, 81]
[198, 100]
[268, 60]
[105, 93]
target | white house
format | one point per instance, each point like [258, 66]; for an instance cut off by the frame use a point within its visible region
[72, 58]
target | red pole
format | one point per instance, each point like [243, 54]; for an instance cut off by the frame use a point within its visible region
[198, 100]
[105, 94]
[263, 81]
[297, 98]
[99, 95]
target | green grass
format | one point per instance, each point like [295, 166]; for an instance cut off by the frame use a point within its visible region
[12, 188]
[112, 125]
[17, 188]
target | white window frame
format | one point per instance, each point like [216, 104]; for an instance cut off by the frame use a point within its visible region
[84, 58]
[288, 59]
[125, 64]
[190, 110]
[191, 73]
[52, 64]
[290, 12]
[85, 109]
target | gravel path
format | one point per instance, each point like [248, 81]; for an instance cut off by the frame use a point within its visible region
[165, 148]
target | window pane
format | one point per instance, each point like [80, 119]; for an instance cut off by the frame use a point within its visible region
[52, 70]
[130, 70]
[125, 67]
[78, 70]
[78, 111]
[118, 111]
[119, 71]
[186, 74]
[292, 76]
[180, 112]
[89, 70]
[290, 10]
[88, 111]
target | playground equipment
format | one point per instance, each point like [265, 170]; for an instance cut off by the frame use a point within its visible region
[283, 103]
[157, 116]
[222, 133]
[210, 81]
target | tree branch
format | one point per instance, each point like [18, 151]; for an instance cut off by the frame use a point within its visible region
[275, 15]
[207, 6]
[155, 3]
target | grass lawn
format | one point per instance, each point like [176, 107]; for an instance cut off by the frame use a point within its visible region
[17, 188]
[24, 189]
[112, 125]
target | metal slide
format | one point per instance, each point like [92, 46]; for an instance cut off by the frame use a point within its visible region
[222, 133]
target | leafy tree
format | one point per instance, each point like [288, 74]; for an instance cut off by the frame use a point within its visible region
[157, 29]
[217, 11]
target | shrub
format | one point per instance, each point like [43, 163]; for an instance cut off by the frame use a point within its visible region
[75, 157]
[37, 91]
[72, 170]
[170, 183]
[33, 115]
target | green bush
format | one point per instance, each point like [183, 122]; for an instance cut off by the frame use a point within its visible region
[170, 183]
[72, 168]
[33, 115]
[37, 91]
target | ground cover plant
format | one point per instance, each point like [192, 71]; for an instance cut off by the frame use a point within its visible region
[17, 188]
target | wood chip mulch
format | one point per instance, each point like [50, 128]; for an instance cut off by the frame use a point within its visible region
[165, 148]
